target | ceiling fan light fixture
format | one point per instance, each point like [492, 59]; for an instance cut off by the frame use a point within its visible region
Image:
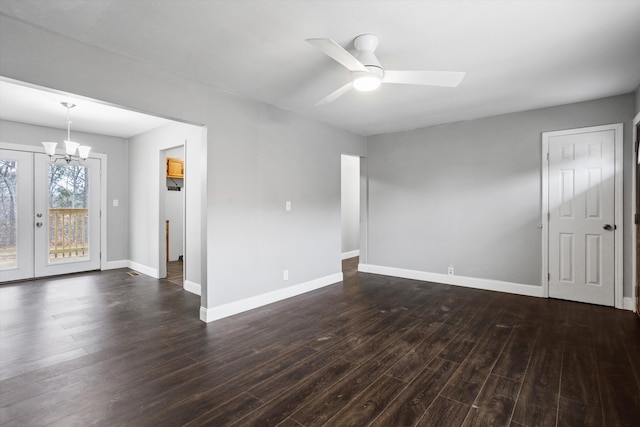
[367, 73]
[366, 82]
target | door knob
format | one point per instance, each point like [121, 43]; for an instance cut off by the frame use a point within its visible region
[608, 227]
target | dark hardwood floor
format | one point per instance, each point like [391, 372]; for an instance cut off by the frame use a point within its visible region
[175, 272]
[106, 348]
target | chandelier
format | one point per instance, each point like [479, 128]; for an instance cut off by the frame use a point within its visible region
[70, 146]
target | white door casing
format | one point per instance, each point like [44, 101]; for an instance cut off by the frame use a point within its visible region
[582, 251]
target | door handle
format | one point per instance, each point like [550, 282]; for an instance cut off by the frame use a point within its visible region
[608, 227]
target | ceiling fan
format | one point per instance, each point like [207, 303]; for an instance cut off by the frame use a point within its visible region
[367, 74]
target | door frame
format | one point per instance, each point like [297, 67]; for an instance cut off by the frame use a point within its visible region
[618, 206]
[103, 192]
[634, 212]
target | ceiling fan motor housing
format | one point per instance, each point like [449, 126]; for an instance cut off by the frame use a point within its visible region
[366, 45]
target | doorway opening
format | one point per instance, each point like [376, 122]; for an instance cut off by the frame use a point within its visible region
[174, 203]
[350, 211]
[132, 225]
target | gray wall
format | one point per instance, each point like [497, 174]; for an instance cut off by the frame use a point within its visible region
[350, 200]
[260, 157]
[638, 100]
[468, 194]
[117, 159]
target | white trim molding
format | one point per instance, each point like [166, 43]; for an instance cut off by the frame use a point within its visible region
[617, 128]
[467, 282]
[350, 254]
[192, 287]
[113, 265]
[141, 268]
[628, 304]
[634, 255]
[226, 310]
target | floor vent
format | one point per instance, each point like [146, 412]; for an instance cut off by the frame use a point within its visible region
[133, 273]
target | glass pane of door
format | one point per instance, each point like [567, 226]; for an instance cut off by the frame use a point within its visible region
[8, 215]
[67, 208]
[16, 215]
[68, 213]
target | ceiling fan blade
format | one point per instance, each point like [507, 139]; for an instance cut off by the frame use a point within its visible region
[334, 95]
[338, 53]
[427, 78]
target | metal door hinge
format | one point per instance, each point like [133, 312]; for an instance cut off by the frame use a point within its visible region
[548, 277]
[548, 216]
[547, 157]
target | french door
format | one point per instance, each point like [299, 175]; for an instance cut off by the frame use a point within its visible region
[49, 216]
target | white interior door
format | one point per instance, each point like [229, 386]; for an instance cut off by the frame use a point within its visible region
[581, 191]
[49, 216]
[16, 215]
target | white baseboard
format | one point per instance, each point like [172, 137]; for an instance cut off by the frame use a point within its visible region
[627, 304]
[226, 310]
[192, 287]
[113, 265]
[468, 282]
[351, 254]
[153, 272]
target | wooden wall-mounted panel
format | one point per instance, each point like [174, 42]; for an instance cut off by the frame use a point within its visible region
[175, 168]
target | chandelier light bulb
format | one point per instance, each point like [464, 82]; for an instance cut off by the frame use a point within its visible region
[50, 147]
[70, 147]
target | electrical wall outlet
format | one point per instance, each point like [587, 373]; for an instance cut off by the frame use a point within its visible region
[285, 275]
[450, 270]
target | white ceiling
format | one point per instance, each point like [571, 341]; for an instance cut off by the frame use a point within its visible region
[518, 55]
[27, 104]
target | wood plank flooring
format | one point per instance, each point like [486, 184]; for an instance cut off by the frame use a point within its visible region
[108, 349]
[175, 272]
